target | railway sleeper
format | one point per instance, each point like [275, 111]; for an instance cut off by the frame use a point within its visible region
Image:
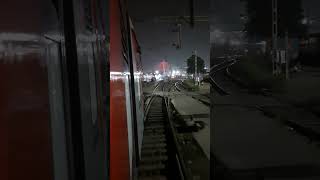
[157, 177]
[152, 173]
[155, 117]
[154, 159]
[158, 151]
[151, 126]
[147, 139]
[154, 121]
[154, 129]
[155, 126]
[155, 136]
[150, 119]
[153, 132]
[156, 110]
[154, 167]
[152, 139]
[156, 104]
[150, 131]
[152, 146]
[150, 143]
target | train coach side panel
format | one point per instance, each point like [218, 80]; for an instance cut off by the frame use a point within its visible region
[119, 154]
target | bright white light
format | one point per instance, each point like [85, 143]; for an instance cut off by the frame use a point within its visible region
[157, 72]
[158, 77]
[116, 73]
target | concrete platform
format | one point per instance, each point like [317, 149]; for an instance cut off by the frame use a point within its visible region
[188, 106]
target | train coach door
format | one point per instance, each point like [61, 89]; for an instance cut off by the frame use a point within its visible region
[53, 54]
[135, 71]
[86, 85]
[132, 98]
[129, 105]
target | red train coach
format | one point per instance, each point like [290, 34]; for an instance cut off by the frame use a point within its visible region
[125, 90]
[71, 98]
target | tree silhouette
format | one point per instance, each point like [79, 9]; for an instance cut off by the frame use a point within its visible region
[191, 65]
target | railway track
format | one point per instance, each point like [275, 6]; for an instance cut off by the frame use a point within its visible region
[218, 88]
[158, 155]
[154, 154]
[308, 128]
[218, 68]
[202, 98]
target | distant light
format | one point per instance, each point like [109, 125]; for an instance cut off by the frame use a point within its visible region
[157, 72]
[235, 42]
[304, 21]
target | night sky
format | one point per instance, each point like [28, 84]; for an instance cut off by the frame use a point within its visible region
[225, 14]
[156, 38]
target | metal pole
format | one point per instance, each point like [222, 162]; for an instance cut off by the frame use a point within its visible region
[195, 66]
[163, 68]
[274, 35]
[287, 53]
[192, 3]
[179, 36]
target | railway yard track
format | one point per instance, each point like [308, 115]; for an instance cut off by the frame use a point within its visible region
[154, 153]
[167, 152]
[158, 155]
[298, 122]
[214, 70]
[205, 99]
[309, 128]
